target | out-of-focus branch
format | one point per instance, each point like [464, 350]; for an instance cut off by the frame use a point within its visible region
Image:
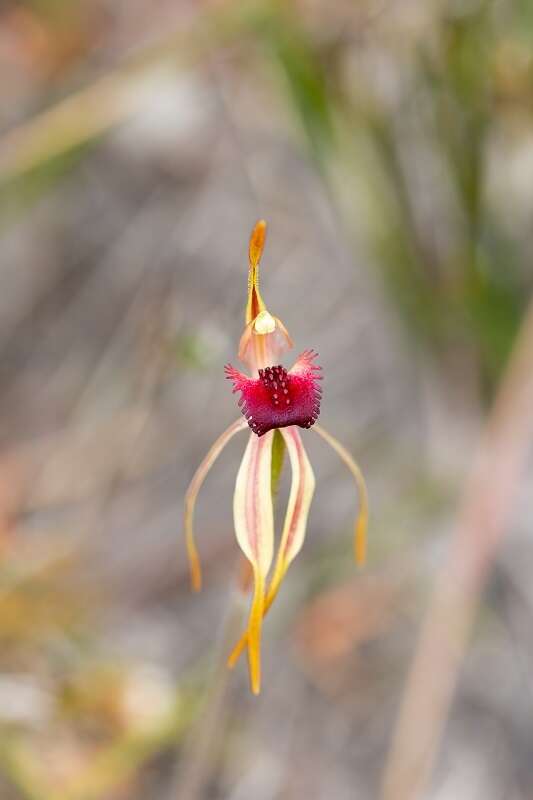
[108, 101]
[198, 758]
[484, 519]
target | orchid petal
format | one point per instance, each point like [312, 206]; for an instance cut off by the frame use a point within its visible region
[361, 522]
[192, 493]
[293, 534]
[254, 528]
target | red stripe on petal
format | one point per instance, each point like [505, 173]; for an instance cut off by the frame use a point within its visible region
[300, 492]
[294, 527]
[252, 503]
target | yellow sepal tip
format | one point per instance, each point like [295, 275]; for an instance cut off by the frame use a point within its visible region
[273, 589]
[192, 493]
[362, 517]
[255, 304]
[257, 242]
[254, 632]
[292, 537]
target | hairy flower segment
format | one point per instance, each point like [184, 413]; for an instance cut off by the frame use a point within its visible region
[279, 398]
[272, 399]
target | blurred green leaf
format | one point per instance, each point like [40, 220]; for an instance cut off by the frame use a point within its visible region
[295, 53]
[21, 192]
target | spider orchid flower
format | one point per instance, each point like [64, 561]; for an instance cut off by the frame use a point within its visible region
[274, 402]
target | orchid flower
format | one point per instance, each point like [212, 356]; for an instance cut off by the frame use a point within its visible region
[274, 402]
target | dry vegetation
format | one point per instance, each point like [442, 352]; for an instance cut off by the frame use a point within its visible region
[389, 144]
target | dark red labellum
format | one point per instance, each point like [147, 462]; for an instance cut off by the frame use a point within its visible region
[279, 398]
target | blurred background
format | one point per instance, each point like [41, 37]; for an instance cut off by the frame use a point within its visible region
[390, 147]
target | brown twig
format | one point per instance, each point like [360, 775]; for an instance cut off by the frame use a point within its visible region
[198, 758]
[483, 520]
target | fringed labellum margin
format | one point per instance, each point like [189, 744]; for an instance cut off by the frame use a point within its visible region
[272, 398]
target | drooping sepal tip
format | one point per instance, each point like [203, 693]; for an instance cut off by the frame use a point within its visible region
[254, 632]
[361, 522]
[192, 494]
[195, 570]
[360, 538]
[294, 527]
[257, 242]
